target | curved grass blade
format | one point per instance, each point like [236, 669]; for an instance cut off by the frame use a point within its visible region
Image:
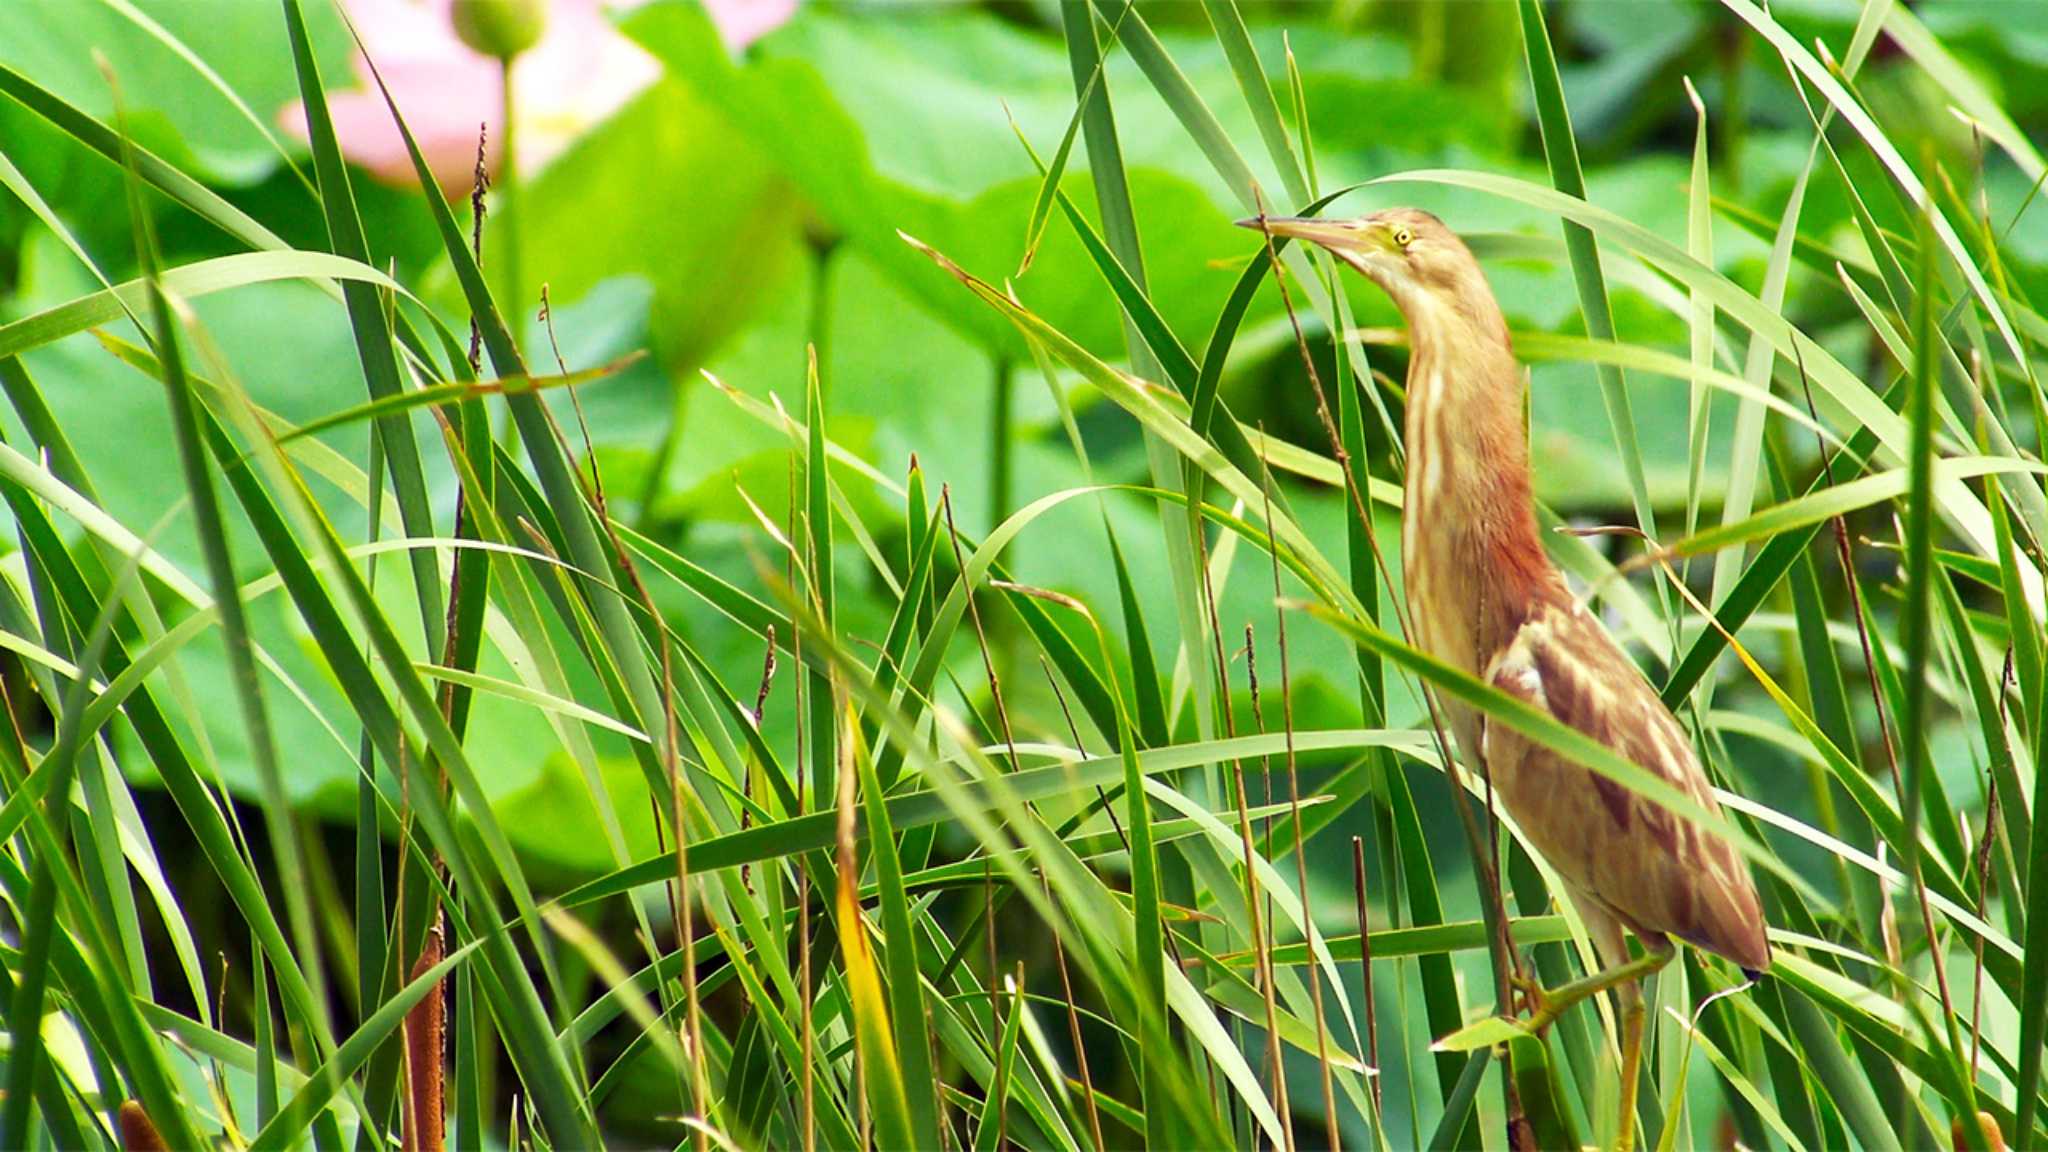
[199, 278]
[372, 329]
[638, 694]
[1828, 503]
[159, 174]
[1838, 98]
[1561, 153]
[214, 81]
[1041, 206]
[1257, 89]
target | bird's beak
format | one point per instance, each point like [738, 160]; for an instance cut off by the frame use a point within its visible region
[1359, 243]
[1334, 234]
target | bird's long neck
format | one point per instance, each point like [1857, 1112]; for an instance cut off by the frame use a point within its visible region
[1472, 558]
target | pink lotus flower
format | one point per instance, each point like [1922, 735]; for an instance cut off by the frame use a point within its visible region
[741, 22]
[579, 73]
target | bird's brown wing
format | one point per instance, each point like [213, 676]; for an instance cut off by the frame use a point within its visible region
[1657, 872]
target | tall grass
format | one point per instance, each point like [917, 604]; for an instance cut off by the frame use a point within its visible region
[1015, 880]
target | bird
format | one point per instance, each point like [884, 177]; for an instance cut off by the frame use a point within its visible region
[1483, 596]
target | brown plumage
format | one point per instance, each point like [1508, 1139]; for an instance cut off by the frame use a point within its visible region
[1483, 595]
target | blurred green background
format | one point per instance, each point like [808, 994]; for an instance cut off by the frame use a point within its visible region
[729, 192]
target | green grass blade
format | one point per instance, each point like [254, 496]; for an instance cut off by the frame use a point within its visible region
[1148, 694]
[1800, 58]
[372, 329]
[900, 959]
[214, 80]
[813, 831]
[2027, 669]
[637, 691]
[190, 281]
[1252, 82]
[1441, 1002]
[1458, 1106]
[1828, 503]
[1699, 244]
[38, 926]
[1561, 153]
[819, 572]
[989, 1130]
[2033, 1002]
[1173, 86]
[1049, 183]
[158, 173]
[325, 1081]
[1105, 154]
[206, 513]
[1424, 940]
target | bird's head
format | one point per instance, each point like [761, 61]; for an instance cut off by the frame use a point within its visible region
[1413, 256]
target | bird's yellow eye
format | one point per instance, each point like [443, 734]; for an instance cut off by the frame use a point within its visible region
[1403, 235]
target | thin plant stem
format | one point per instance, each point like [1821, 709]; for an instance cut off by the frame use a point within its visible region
[1001, 401]
[700, 1091]
[988, 664]
[1846, 558]
[597, 497]
[1372, 1031]
[479, 185]
[803, 889]
[1308, 916]
[1227, 711]
[1261, 944]
[747, 766]
[995, 1010]
[1260, 941]
[1059, 948]
[1264, 941]
[995, 692]
[1059, 956]
[1983, 870]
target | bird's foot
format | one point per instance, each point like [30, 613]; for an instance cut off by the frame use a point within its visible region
[1532, 997]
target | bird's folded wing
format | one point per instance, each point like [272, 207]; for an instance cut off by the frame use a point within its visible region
[1658, 871]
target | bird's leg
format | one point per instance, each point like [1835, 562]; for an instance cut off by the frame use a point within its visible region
[1632, 1020]
[1549, 1004]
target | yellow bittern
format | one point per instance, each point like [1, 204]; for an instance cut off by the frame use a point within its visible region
[1484, 597]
